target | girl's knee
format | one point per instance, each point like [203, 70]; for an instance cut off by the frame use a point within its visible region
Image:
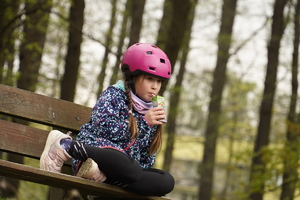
[167, 185]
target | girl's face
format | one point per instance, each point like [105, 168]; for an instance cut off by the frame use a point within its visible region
[147, 86]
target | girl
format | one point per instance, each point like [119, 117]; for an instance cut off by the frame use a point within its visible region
[118, 145]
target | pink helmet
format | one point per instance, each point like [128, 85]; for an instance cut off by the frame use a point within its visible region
[146, 58]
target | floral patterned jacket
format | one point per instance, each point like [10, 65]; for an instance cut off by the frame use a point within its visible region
[108, 127]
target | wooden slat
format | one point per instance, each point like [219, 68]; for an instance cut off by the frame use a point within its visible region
[22, 139]
[42, 109]
[64, 181]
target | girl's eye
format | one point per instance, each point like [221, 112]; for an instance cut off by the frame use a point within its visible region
[149, 78]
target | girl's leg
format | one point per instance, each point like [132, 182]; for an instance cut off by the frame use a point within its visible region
[118, 167]
[154, 182]
[121, 168]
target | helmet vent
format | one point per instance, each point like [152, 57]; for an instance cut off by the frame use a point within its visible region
[152, 68]
[149, 53]
[162, 60]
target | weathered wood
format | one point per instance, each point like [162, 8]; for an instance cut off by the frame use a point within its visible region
[19, 171]
[45, 110]
[21, 139]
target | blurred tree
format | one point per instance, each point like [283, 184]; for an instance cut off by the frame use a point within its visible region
[290, 177]
[107, 46]
[178, 25]
[219, 80]
[3, 8]
[32, 44]
[258, 166]
[137, 11]
[175, 93]
[55, 50]
[122, 36]
[164, 25]
[69, 79]
[9, 20]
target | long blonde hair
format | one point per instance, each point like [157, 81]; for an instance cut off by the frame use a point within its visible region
[157, 140]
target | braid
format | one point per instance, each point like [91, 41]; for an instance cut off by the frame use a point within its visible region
[157, 140]
[132, 122]
[156, 143]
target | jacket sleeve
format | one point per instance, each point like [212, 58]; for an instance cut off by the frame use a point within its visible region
[109, 117]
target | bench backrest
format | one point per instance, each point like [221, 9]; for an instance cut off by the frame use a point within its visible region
[42, 109]
[29, 140]
[33, 107]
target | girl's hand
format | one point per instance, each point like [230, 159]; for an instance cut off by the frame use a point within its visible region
[154, 114]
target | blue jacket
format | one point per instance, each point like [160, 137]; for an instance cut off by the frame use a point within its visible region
[108, 127]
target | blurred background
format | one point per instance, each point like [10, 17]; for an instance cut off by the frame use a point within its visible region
[233, 100]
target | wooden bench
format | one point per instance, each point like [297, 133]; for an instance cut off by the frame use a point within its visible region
[29, 141]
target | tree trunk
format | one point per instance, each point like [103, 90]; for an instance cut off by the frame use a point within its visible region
[107, 47]
[3, 7]
[164, 25]
[69, 80]
[9, 79]
[137, 11]
[219, 80]
[176, 92]
[180, 13]
[262, 139]
[8, 19]
[292, 142]
[31, 49]
[122, 36]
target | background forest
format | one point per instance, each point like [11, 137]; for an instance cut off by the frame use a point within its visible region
[233, 99]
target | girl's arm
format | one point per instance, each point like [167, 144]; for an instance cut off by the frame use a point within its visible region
[109, 117]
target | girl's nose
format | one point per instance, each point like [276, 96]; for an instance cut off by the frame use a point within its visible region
[154, 84]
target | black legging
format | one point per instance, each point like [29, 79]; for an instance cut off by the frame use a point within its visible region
[121, 168]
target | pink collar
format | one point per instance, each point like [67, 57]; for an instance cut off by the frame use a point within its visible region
[139, 105]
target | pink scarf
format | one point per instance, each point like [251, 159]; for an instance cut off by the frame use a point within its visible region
[139, 105]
